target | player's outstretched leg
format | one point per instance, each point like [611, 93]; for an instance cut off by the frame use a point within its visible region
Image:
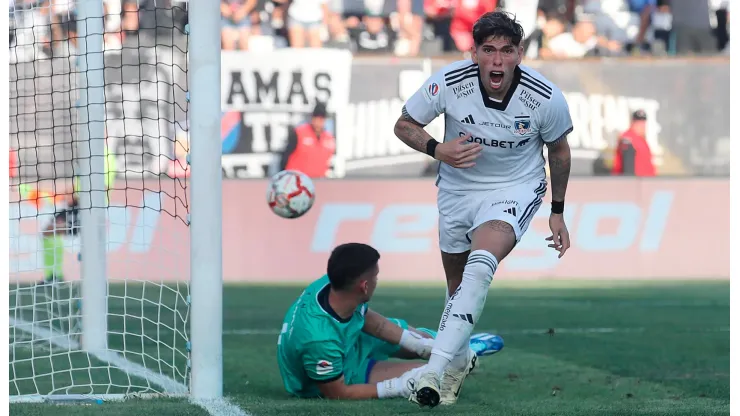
[461, 312]
[491, 240]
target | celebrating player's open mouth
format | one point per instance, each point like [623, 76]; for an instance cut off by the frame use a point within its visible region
[497, 79]
[497, 58]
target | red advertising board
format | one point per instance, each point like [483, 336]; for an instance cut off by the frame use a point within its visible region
[620, 229]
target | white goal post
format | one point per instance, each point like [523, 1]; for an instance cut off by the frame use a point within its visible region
[206, 225]
[116, 323]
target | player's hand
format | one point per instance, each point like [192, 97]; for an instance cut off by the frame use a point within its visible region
[458, 153]
[560, 237]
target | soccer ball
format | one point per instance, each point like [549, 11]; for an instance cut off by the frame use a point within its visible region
[290, 194]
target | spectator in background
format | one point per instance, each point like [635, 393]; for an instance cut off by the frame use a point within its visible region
[280, 10]
[336, 25]
[130, 19]
[633, 156]
[661, 25]
[310, 146]
[374, 36]
[565, 8]
[721, 23]
[644, 9]
[577, 43]
[554, 24]
[439, 15]
[464, 16]
[306, 20]
[236, 23]
[256, 17]
[371, 33]
[61, 15]
[582, 41]
[411, 22]
[691, 27]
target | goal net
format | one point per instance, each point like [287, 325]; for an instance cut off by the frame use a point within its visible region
[99, 200]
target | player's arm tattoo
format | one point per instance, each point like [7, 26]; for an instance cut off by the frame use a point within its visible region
[558, 156]
[411, 132]
[378, 326]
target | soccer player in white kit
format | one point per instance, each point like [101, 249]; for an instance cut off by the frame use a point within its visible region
[498, 115]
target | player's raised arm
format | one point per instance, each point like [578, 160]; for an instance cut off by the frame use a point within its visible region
[421, 109]
[557, 124]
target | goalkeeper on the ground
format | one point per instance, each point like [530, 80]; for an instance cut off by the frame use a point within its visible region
[65, 222]
[332, 345]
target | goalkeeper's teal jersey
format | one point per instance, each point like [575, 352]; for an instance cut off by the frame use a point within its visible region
[314, 342]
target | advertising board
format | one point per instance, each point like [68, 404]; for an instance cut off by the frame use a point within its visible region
[620, 229]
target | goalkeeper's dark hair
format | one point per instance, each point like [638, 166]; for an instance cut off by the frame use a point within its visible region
[348, 262]
[497, 24]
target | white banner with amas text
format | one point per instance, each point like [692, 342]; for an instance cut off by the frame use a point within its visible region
[264, 95]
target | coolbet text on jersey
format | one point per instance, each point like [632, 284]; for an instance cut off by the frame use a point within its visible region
[512, 131]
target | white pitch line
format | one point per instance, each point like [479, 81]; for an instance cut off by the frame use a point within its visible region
[543, 331]
[215, 407]
[220, 407]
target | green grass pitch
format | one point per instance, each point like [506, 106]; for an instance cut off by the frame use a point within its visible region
[617, 348]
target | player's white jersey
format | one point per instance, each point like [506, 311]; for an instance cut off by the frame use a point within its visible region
[512, 131]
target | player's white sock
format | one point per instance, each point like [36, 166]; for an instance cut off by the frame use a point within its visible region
[460, 360]
[463, 309]
[447, 299]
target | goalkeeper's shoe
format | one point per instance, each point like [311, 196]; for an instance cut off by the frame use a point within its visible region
[453, 379]
[486, 344]
[426, 392]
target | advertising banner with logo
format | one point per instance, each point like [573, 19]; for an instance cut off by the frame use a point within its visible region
[620, 229]
[264, 95]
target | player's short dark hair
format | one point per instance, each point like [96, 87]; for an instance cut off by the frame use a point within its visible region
[497, 24]
[348, 262]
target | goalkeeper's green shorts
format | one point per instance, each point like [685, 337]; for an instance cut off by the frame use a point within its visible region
[360, 361]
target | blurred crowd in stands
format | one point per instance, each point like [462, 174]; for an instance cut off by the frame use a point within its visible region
[554, 28]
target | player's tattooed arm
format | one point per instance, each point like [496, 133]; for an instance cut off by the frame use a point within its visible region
[558, 155]
[411, 132]
[380, 327]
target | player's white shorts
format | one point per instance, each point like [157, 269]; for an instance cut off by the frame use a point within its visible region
[459, 215]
